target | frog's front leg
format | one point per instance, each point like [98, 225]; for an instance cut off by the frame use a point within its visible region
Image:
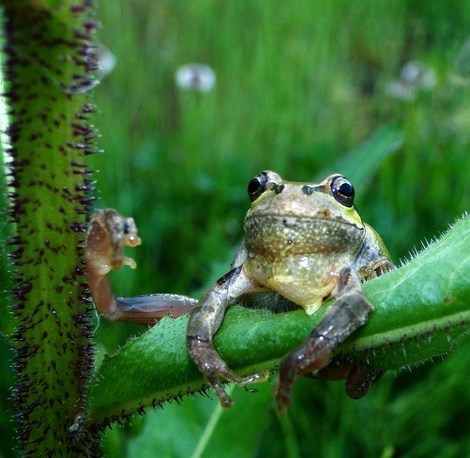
[204, 322]
[345, 315]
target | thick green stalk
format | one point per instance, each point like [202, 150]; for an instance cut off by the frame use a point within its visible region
[48, 61]
[420, 310]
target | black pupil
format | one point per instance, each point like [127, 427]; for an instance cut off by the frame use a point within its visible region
[254, 186]
[343, 191]
[347, 190]
[257, 186]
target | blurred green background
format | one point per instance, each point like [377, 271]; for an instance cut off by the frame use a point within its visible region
[300, 85]
[379, 91]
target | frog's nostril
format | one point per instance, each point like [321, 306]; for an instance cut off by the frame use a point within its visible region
[278, 188]
[307, 190]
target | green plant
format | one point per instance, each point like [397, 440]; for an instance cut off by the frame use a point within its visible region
[48, 72]
[421, 309]
[62, 403]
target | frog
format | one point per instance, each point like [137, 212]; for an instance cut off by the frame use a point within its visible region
[305, 245]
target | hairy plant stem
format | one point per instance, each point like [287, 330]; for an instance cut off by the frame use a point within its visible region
[420, 310]
[48, 63]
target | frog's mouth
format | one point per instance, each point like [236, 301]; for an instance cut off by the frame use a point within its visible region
[300, 234]
[296, 221]
[330, 214]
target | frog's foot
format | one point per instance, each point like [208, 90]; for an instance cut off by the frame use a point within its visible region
[216, 372]
[108, 234]
[215, 380]
[360, 379]
[344, 316]
[297, 363]
[359, 376]
[127, 261]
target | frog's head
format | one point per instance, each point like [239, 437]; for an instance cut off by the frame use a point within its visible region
[288, 218]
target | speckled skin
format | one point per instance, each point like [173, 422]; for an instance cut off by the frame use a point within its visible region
[299, 239]
[304, 242]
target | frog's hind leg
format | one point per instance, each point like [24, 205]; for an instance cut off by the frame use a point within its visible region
[359, 376]
[204, 322]
[140, 309]
[108, 234]
[345, 315]
[150, 309]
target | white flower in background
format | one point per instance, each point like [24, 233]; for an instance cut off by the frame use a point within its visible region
[105, 59]
[195, 77]
[105, 62]
[418, 75]
[461, 74]
[414, 77]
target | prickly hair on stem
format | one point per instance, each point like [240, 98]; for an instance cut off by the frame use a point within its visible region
[48, 71]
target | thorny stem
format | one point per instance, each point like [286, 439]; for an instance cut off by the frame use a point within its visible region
[420, 310]
[48, 62]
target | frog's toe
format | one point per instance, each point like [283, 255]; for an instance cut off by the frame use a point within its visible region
[283, 396]
[214, 379]
[229, 376]
[255, 378]
[225, 400]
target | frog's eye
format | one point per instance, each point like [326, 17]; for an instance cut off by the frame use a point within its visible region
[257, 186]
[343, 191]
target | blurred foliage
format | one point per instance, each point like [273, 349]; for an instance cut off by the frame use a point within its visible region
[299, 85]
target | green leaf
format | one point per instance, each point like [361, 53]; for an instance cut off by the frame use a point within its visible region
[363, 162]
[420, 309]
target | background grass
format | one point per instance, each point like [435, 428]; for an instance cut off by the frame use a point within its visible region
[299, 85]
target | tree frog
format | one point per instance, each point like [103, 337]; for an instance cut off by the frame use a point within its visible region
[304, 244]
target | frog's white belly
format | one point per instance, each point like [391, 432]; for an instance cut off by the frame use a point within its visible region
[304, 280]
